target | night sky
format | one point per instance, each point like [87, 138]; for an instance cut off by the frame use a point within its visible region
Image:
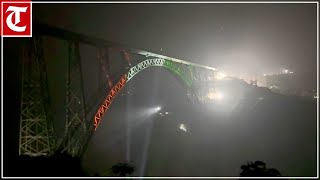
[241, 38]
[247, 39]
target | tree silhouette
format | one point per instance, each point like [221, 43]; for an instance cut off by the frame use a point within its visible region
[122, 169]
[258, 169]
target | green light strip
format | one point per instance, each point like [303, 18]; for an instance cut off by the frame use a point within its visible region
[175, 67]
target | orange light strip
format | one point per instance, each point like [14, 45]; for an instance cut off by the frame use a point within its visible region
[108, 100]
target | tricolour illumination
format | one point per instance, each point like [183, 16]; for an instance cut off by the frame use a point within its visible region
[171, 65]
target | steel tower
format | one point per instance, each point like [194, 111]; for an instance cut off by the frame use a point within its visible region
[35, 122]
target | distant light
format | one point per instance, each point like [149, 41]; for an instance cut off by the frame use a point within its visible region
[290, 72]
[264, 74]
[285, 71]
[274, 87]
[183, 127]
[166, 112]
[158, 108]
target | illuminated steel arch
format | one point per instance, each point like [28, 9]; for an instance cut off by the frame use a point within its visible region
[182, 70]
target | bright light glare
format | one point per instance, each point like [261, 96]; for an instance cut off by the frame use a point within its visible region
[183, 127]
[158, 108]
[286, 71]
[215, 95]
[155, 110]
[220, 75]
[219, 95]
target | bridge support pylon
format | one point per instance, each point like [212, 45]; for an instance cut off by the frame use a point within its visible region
[75, 120]
[36, 131]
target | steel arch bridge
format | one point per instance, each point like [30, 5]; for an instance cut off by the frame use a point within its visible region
[36, 122]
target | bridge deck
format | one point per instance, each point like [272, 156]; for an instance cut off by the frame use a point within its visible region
[47, 30]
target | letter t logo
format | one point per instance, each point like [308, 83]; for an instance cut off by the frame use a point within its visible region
[16, 19]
